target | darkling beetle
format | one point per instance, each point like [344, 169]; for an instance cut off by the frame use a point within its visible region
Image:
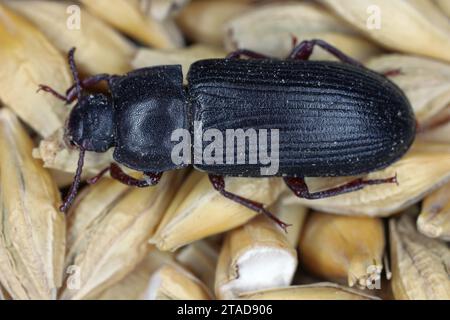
[335, 119]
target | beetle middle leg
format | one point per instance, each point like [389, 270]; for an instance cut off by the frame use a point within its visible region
[218, 183]
[246, 53]
[304, 50]
[300, 189]
[118, 174]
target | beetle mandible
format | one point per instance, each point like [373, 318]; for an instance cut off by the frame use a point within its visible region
[334, 119]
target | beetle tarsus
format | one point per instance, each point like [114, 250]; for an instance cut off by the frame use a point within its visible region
[304, 50]
[218, 183]
[300, 188]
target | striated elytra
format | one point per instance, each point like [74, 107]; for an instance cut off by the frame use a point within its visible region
[334, 119]
[331, 119]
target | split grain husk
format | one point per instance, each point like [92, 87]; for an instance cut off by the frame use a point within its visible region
[290, 211]
[420, 265]
[198, 211]
[347, 250]
[425, 82]
[415, 26]
[185, 56]
[416, 178]
[172, 282]
[270, 30]
[128, 17]
[55, 154]
[29, 59]
[134, 285]
[200, 258]
[101, 48]
[203, 21]
[32, 244]
[109, 227]
[255, 256]
[434, 218]
[317, 291]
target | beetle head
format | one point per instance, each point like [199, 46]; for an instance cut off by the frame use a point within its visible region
[90, 124]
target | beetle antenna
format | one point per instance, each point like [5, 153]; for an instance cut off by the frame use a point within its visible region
[75, 184]
[73, 68]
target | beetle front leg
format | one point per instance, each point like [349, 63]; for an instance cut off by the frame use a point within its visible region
[300, 189]
[218, 183]
[304, 50]
[118, 174]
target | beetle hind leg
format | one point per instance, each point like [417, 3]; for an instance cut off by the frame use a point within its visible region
[304, 50]
[300, 189]
[118, 174]
[239, 53]
[218, 183]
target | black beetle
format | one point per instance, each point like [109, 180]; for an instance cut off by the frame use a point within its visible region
[334, 119]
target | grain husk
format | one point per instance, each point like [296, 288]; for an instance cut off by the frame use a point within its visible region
[32, 244]
[444, 5]
[416, 26]
[109, 227]
[163, 9]
[270, 30]
[347, 250]
[203, 21]
[200, 258]
[198, 211]
[56, 154]
[426, 83]
[127, 16]
[420, 265]
[317, 291]
[29, 59]
[173, 282]
[94, 38]
[255, 256]
[434, 218]
[134, 285]
[416, 178]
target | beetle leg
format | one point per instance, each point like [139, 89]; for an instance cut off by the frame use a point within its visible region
[300, 189]
[118, 174]
[71, 93]
[87, 83]
[392, 73]
[75, 184]
[55, 93]
[304, 50]
[246, 53]
[219, 184]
